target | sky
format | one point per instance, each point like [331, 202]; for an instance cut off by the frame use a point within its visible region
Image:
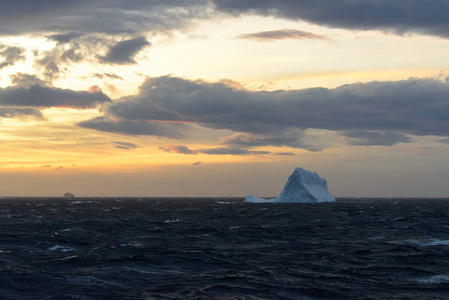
[223, 98]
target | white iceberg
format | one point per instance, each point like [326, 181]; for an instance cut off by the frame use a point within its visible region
[302, 186]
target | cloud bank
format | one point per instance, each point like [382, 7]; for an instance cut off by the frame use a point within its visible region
[114, 17]
[123, 17]
[374, 113]
[44, 97]
[399, 17]
[181, 149]
[29, 94]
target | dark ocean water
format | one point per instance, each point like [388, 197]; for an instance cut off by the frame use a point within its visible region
[128, 248]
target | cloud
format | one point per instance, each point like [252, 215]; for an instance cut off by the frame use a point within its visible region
[261, 118]
[125, 145]
[228, 151]
[108, 75]
[291, 138]
[181, 149]
[400, 17]
[374, 138]
[71, 48]
[46, 166]
[36, 95]
[10, 55]
[8, 112]
[22, 80]
[68, 20]
[196, 163]
[123, 52]
[283, 153]
[115, 17]
[445, 141]
[282, 35]
[129, 127]
[65, 37]
[177, 149]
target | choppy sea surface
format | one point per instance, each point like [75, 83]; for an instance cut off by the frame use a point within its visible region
[222, 248]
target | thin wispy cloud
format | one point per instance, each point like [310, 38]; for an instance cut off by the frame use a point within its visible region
[181, 149]
[125, 145]
[282, 34]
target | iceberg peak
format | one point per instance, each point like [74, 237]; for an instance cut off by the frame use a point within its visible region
[302, 186]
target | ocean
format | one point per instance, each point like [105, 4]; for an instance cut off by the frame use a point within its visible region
[222, 248]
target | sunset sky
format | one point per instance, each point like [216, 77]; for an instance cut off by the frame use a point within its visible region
[223, 98]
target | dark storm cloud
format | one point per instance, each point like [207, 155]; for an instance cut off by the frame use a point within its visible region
[128, 127]
[261, 118]
[36, 95]
[11, 112]
[282, 35]
[10, 55]
[125, 145]
[123, 52]
[181, 149]
[373, 138]
[399, 16]
[97, 16]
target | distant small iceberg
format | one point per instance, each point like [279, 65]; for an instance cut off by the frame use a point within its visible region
[302, 186]
[69, 195]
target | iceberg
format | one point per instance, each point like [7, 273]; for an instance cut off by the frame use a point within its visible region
[302, 186]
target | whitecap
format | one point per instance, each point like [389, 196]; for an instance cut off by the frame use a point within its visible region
[436, 279]
[155, 271]
[61, 248]
[172, 221]
[66, 258]
[131, 245]
[435, 242]
[423, 243]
